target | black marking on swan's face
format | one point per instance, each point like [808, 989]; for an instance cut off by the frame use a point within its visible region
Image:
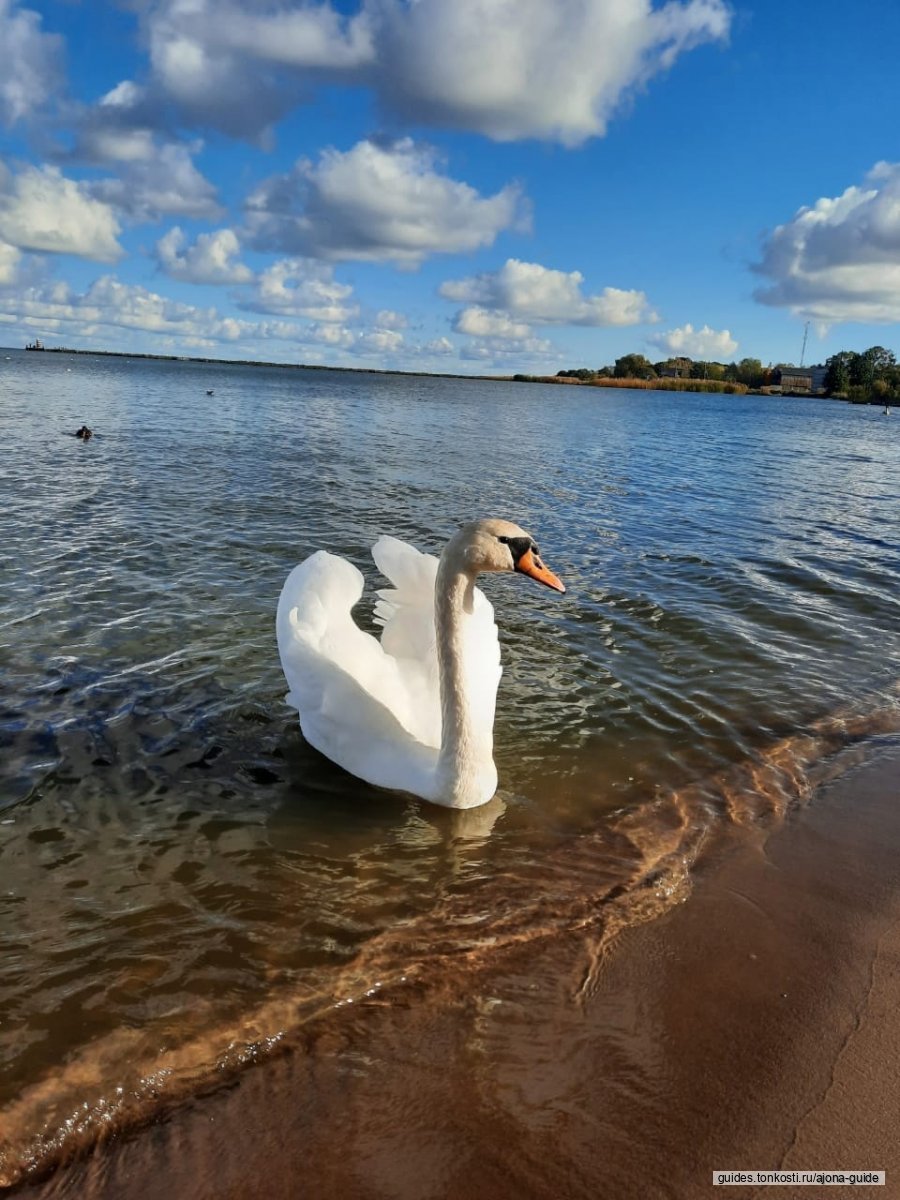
[519, 546]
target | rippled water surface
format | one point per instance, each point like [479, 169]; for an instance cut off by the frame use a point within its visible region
[182, 878]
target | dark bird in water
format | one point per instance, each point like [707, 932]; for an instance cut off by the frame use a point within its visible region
[210, 391]
[85, 433]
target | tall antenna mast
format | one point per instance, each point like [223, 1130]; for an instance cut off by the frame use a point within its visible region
[805, 336]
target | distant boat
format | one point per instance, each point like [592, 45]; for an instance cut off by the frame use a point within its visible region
[37, 344]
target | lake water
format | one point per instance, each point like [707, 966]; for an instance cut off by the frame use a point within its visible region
[184, 883]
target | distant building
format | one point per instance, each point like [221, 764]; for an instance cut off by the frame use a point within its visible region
[802, 381]
[675, 368]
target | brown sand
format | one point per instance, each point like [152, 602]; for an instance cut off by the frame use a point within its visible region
[757, 1025]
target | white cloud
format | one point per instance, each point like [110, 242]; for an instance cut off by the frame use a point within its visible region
[552, 69]
[305, 36]
[213, 258]
[368, 343]
[9, 264]
[481, 322]
[111, 143]
[114, 130]
[113, 313]
[377, 203]
[334, 335]
[441, 345]
[125, 95]
[42, 210]
[710, 344]
[164, 184]
[31, 62]
[156, 175]
[240, 67]
[500, 352]
[109, 305]
[379, 341]
[388, 319]
[301, 287]
[544, 296]
[839, 259]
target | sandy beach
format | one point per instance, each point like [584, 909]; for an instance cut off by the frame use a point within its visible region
[755, 1026]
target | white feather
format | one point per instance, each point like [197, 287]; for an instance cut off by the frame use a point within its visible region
[374, 707]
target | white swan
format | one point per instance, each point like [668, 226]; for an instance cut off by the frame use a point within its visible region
[415, 711]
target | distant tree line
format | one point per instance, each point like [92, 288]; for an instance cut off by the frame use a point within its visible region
[749, 371]
[871, 375]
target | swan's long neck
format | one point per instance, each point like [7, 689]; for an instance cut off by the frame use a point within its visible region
[465, 771]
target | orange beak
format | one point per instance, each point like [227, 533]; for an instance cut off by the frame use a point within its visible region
[530, 564]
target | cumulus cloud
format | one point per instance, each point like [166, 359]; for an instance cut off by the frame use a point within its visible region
[481, 322]
[9, 264]
[377, 203]
[300, 287]
[166, 183]
[213, 258]
[156, 174]
[117, 129]
[32, 59]
[502, 352]
[240, 66]
[552, 69]
[375, 343]
[543, 296]
[110, 306]
[379, 341]
[712, 344]
[40, 209]
[115, 312]
[839, 259]
[388, 319]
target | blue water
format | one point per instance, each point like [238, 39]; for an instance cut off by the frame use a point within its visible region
[172, 853]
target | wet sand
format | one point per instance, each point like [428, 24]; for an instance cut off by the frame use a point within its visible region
[756, 1025]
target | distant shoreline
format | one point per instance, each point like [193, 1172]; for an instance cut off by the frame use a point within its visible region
[253, 362]
[695, 386]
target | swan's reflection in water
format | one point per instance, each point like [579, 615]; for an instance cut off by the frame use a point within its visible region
[475, 824]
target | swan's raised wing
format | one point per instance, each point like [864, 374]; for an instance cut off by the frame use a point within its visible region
[406, 614]
[350, 694]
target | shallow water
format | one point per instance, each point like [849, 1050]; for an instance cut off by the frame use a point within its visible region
[183, 881]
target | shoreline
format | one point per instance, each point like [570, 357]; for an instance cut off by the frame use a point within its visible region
[252, 362]
[663, 385]
[753, 1026]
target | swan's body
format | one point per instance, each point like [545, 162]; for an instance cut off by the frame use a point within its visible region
[415, 711]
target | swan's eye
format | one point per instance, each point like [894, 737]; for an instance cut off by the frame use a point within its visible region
[517, 546]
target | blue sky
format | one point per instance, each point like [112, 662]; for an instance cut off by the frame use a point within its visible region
[453, 185]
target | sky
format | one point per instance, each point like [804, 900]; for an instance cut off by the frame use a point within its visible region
[462, 186]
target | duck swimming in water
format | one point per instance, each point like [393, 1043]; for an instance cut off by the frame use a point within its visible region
[84, 433]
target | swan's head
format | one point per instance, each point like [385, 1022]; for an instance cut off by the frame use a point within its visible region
[495, 545]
